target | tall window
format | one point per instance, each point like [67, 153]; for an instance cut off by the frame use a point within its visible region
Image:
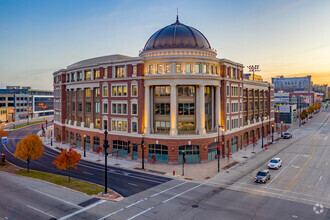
[134, 70]
[228, 110]
[105, 74]
[88, 107]
[87, 122]
[97, 107]
[134, 109]
[87, 92]
[96, 74]
[97, 92]
[162, 90]
[167, 67]
[227, 91]
[120, 72]
[159, 68]
[162, 109]
[204, 68]
[188, 68]
[119, 125]
[134, 127]
[97, 123]
[119, 91]
[197, 68]
[178, 67]
[151, 69]
[96, 142]
[88, 75]
[105, 124]
[186, 109]
[105, 91]
[134, 91]
[105, 108]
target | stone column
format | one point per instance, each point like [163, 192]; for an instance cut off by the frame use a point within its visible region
[92, 74]
[83, 107]
[201, 106]
[146, 110]
[217, 106]
[70, 105]
[76, 106]
[174, 127]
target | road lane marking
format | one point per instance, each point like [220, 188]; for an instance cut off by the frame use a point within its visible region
[141, 200]
[55, 197]
[88, 173]
[132, 184]
[270, 188]
[41, 211]
[278, 194]
[169, 199]
[301, 170]
[82, 210]
[281, 171]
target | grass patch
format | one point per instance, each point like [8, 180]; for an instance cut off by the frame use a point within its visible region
[75, 184]
[24, 125]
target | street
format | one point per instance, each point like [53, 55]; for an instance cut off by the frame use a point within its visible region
[125, 182]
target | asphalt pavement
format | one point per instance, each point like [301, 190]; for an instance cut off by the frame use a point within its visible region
[125, 182]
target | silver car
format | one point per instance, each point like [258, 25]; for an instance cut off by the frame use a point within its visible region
[275, 163]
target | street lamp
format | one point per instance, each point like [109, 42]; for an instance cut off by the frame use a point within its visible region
[272, 133]
[105, 147]
[142, 147]
[281, 129]
[51, 136]
[262, 130]
[84, 145]
[218, 147]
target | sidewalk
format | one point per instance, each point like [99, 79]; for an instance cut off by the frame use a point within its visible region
[199, 171]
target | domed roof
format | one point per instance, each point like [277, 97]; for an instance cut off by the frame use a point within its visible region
[177, 35]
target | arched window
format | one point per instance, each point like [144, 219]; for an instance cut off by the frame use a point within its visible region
[120, 147]
[160, 152]
[192, 153]
[78, 140]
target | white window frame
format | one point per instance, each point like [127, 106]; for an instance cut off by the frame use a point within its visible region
[122, 120]
[103, 91]
[117, 85]
[116, 103]
[137, 89]
[107, 112]
[137, 107]
[137, 126]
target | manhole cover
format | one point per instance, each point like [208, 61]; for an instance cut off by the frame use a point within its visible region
[194, 206]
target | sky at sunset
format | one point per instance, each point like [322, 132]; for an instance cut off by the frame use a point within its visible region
[285, 37]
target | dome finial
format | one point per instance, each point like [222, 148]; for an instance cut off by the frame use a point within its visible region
[177, 15]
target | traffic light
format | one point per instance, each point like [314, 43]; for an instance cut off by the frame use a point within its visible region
[128, 147]
[215, 156]
[13, 119]
[218, 150]
[184, 156]
[46, 122]
[26, 116]
[142, 144]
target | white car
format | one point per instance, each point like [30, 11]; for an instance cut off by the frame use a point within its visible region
[275, 163]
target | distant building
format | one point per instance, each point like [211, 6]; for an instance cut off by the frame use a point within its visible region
[249, 76]
[291, 84]
[27, 101]
[318, 88]
[6, 114]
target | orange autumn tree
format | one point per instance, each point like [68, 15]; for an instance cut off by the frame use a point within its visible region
[67, 160]
[29, 148]
[3, 132]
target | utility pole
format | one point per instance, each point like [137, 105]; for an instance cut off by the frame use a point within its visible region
[105, 147]
[142, 147]
[253, 68]
[183, 161]
[218, 147]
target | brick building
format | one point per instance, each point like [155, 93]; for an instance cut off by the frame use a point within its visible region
[174, 96]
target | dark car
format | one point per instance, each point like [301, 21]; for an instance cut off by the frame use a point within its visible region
[287, 135]
[262, 176]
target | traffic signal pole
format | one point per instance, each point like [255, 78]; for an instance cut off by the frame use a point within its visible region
[183, 161]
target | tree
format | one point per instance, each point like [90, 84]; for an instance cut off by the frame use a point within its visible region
[3, 132]
[29, 148]
[317, 106]
[254, 142]
[67, 160]
[303, 114]
[310, 109]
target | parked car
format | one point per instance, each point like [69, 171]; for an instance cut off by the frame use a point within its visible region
[262, 176]
[275, 163]
[287, 135]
